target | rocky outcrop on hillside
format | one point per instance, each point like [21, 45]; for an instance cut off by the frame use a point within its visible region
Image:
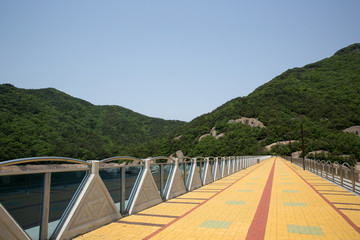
[268, 147]
[212, 133]
[353, 129]
[253, 122]
[178, 137]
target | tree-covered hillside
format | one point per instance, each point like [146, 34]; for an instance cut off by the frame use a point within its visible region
[49, 122]
[324, 95]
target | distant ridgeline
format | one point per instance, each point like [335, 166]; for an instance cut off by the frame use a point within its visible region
[324, 95]
[47, 122]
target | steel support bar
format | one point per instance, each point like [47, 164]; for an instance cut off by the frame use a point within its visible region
[45, 206]
[122, 201]
[161, 180]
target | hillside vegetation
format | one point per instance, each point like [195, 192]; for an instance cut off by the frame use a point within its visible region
[325, 95]
[47, 122]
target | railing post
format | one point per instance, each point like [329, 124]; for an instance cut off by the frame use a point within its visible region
[321, 169]
[333, 172]
[185, 177]
[326, 172]
[45, 207]
[341, 176]
[353, 178]
[313, 165]
[123, 192]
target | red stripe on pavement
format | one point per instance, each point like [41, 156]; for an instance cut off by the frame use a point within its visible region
[258, 224]
[346, 218]
[191, 210]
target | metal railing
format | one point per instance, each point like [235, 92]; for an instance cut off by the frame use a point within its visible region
[341, 174]
[39, 199]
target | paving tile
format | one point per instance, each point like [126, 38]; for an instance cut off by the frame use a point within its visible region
[215, 224]
[309, 230]
[295, 204]
[290, 191]
[235, 202]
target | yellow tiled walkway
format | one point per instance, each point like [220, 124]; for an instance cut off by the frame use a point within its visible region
[302, 206]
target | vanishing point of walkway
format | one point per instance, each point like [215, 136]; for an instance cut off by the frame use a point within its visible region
[271, 200]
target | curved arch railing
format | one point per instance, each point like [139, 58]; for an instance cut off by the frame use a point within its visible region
[185, 158]
[119, 182]
[42, 159]
[118, 158]
[162, 157]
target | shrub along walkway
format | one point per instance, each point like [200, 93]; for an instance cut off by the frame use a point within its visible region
[271, 200]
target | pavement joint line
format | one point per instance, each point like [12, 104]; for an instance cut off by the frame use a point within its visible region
[194, 208]
[346, 218]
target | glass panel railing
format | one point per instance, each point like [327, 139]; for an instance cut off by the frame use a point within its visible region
[187, 168]
[187, 171]
[199, 166]
[112, 180]
[167, 169]
[131, 174]
[21, 195]
[211, 166]
[62, 190]
[156, 173]
[182, 171]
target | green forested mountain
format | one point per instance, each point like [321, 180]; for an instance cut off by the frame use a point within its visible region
[47, 122]
[325, 95]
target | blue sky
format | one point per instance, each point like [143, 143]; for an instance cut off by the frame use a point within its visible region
[167, 59]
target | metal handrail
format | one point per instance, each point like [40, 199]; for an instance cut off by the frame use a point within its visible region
[162, 157]
[184, 157]
[42, 159]
[121, 158]
[348, 165]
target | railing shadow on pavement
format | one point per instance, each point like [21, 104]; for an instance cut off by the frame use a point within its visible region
[341, 174]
